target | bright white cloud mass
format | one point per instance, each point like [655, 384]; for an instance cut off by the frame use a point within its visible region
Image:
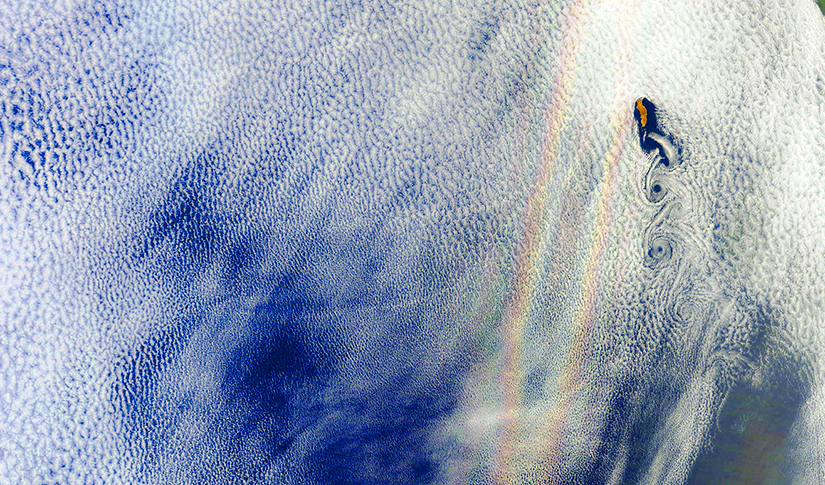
[412, 242]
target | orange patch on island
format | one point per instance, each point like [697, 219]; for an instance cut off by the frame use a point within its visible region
[640, 107]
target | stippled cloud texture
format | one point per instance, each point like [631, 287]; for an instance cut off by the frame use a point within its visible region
[386, 242]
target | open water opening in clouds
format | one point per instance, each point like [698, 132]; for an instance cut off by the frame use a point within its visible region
[388, 242]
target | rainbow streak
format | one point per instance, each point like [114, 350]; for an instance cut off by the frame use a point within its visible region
[525, 280]
[512, 448]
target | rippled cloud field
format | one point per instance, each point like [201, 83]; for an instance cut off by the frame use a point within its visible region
[412, 242]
